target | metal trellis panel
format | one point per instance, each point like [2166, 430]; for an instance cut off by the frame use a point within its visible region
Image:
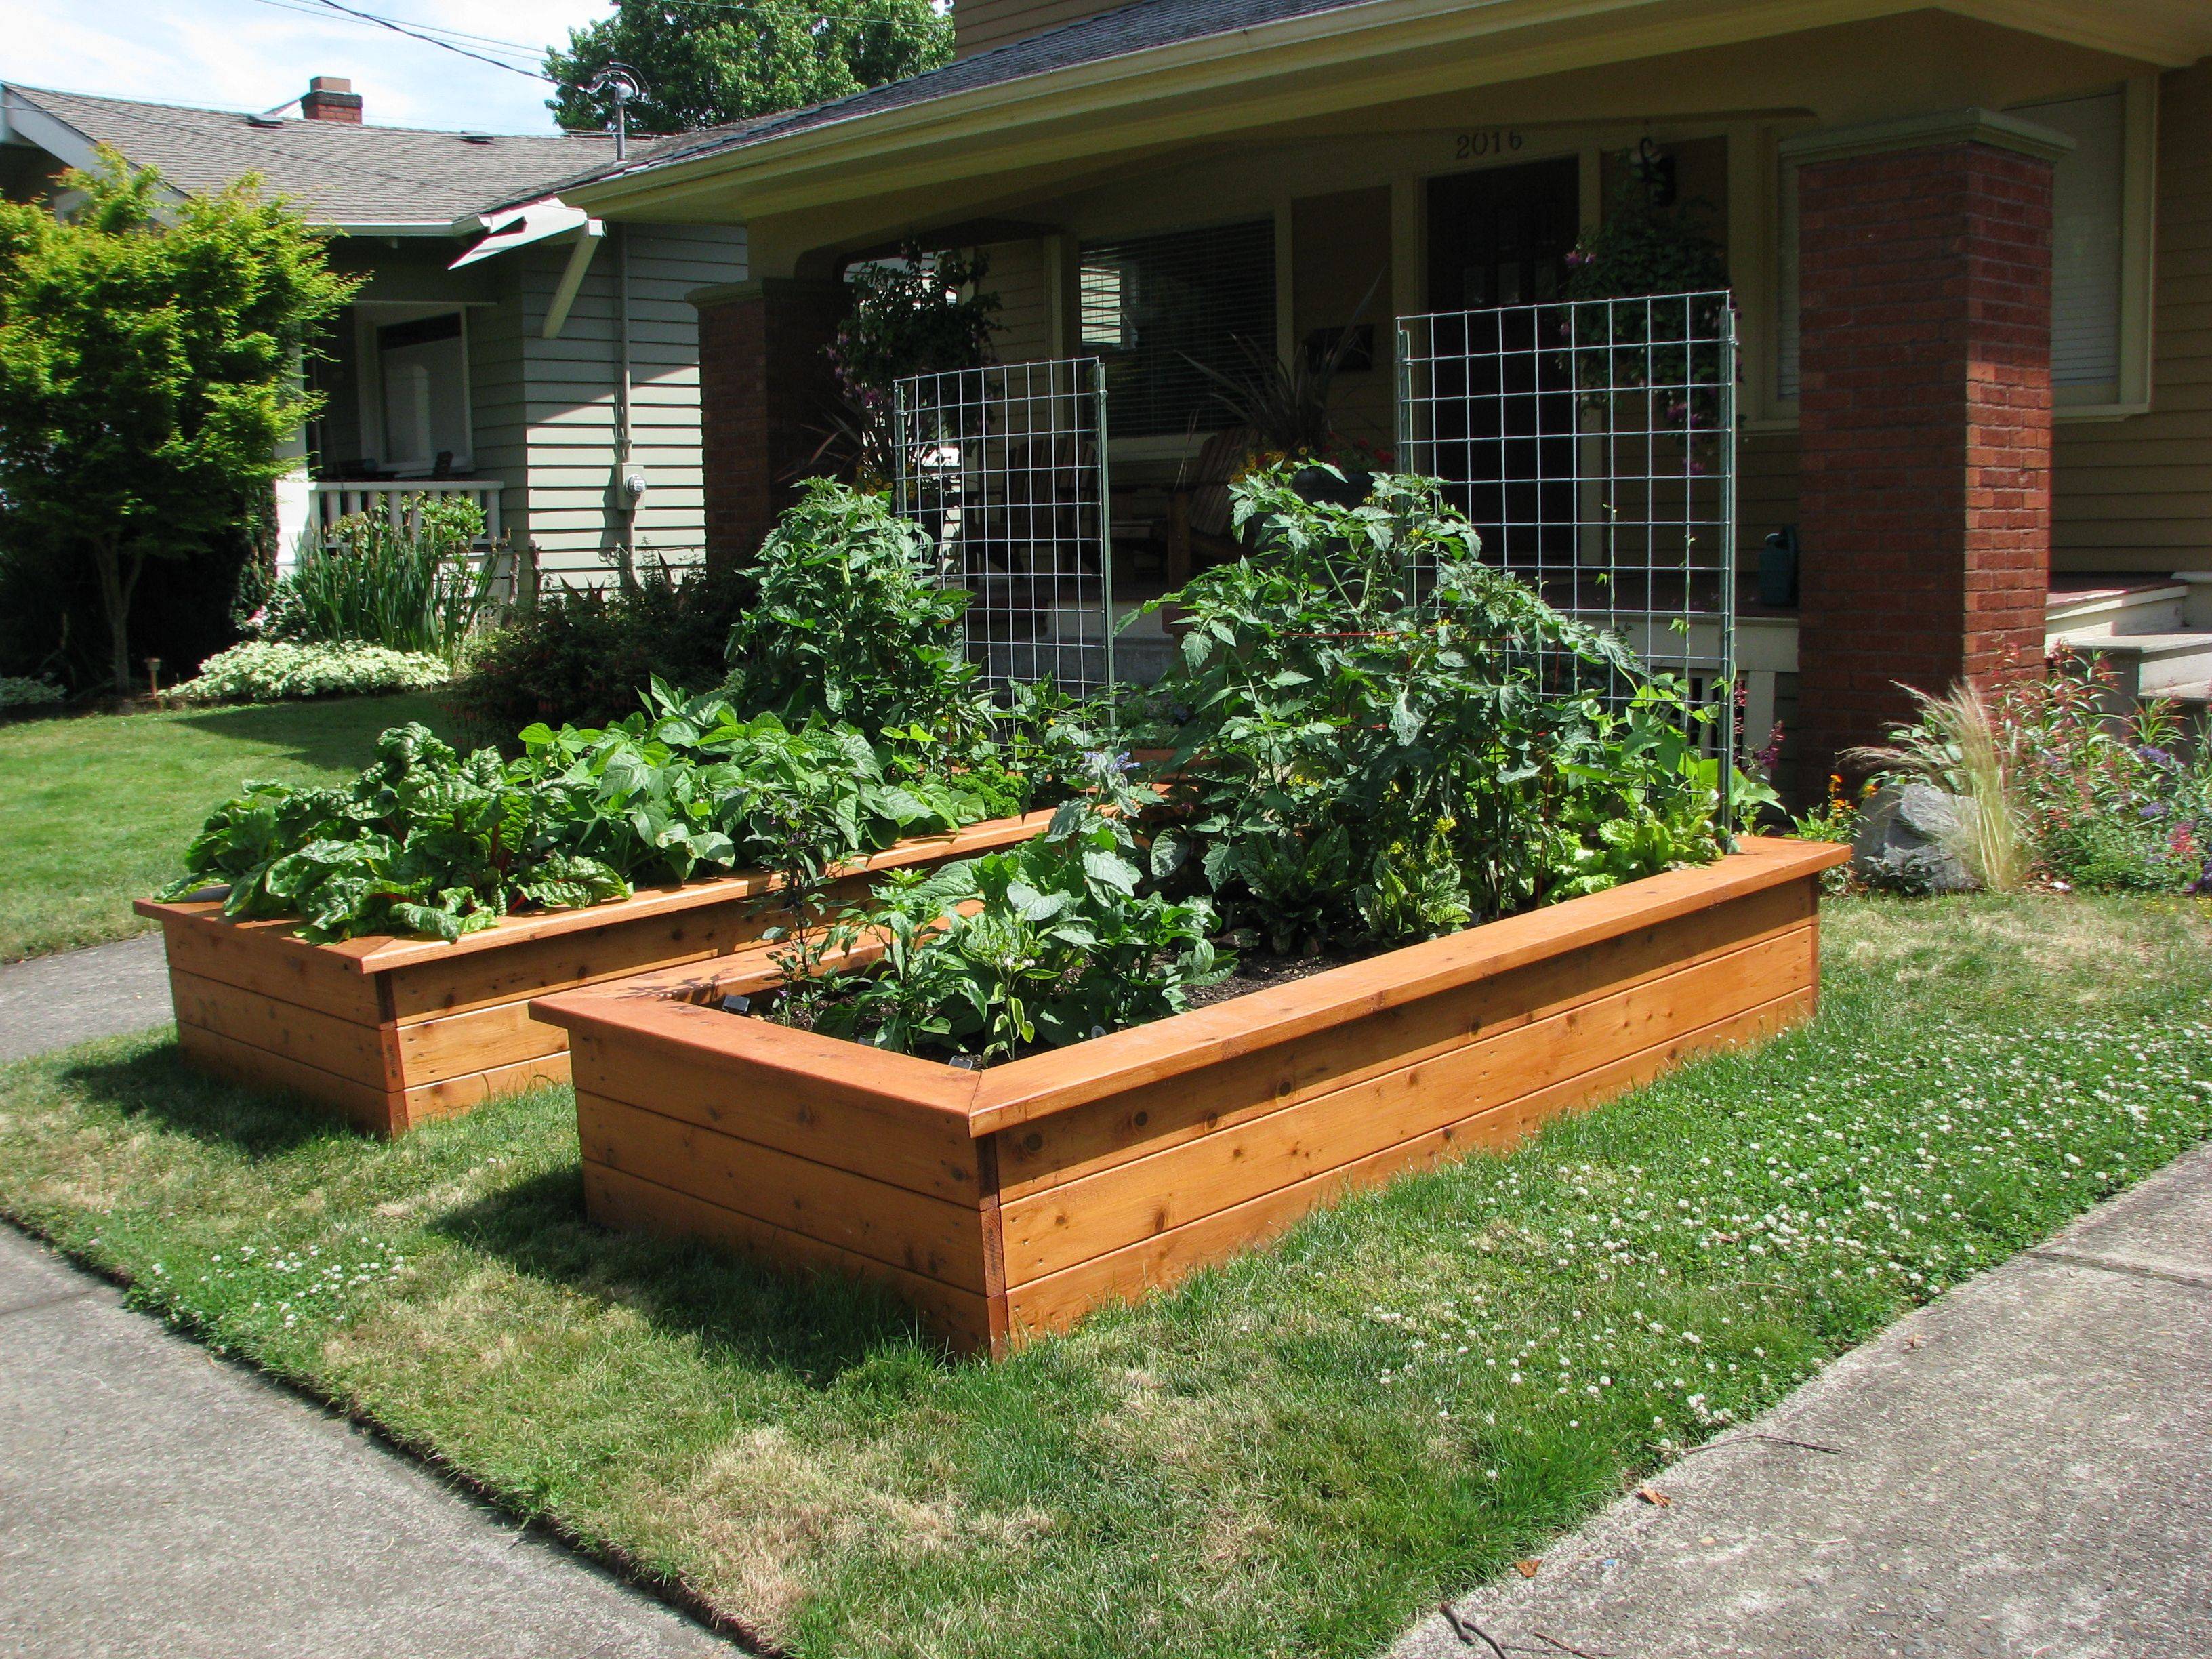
[1593, 443]
[1004, 467]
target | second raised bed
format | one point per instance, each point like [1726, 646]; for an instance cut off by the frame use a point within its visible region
[391, 1032]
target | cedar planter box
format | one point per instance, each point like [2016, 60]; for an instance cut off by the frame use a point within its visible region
[1012, 1200]
[392, 1031]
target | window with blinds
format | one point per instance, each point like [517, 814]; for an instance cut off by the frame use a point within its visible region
[2088, 191]
[1155, 307]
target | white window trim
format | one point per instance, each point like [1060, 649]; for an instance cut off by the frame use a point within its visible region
[1756, 179]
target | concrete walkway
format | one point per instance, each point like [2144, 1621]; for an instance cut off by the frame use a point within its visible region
[2023, 1467]
[56, 1002]
[156, 1500]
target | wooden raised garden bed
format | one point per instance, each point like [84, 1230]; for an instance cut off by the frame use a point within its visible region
[392, 1031]
[1012, 1200]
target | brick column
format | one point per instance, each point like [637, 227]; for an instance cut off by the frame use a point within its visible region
[765, 392]
[1924, 290]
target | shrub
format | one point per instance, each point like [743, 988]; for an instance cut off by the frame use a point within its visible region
[853, 624]
[20, 691]
[2110, 803]
[429, 840]
[270, 671]
[585, 656]
[1360, 765]
[416, 585]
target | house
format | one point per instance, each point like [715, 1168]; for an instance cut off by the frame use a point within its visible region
[534, 378]
[1970, 246]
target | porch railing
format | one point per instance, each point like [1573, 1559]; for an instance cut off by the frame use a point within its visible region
[396, 498]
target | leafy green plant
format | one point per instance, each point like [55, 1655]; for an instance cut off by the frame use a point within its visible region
[271, 671]
[428, 840]
[1360, 760]
[1046, 943]
[852, 624]
[414, 583]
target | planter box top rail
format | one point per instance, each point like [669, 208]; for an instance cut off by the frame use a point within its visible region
[671, 1007]
[379, 953]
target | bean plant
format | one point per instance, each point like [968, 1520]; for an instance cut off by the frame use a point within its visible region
[429, 841]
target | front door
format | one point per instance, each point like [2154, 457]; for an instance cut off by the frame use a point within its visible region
[1503, 414]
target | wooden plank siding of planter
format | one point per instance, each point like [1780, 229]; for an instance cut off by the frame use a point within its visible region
[1012, 1201]
[392, 1032]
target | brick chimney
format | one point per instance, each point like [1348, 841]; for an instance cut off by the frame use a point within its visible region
[331, 98]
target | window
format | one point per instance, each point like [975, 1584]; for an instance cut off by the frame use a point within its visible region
[1155, 307]
[423, 381]
[2091, 228]
[2087, 188]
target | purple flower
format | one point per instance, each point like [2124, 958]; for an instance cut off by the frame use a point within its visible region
[2155, 756]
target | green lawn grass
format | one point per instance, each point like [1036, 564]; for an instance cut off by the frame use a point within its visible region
[1292, 1454]
[96, 811]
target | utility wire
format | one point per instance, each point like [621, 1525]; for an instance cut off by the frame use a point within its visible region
[432, 40]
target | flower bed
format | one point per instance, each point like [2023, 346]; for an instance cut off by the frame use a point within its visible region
[1014, 1200]
[390, 1031]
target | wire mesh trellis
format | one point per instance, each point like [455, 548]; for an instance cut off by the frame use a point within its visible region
[1005, 468]
[1593, 444]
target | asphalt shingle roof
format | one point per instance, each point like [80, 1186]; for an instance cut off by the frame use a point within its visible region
[1139, 28]
[338, 174]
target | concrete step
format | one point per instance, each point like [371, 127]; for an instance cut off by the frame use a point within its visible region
[2177, 664]
[2102, 613]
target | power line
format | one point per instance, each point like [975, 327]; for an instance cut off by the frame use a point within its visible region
[314, 9]
[432, 40]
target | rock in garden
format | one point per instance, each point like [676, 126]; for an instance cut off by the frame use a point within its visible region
[1905, 837]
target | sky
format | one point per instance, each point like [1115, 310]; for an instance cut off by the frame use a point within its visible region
[250, 54]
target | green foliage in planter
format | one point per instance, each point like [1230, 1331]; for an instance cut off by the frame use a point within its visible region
[1059, 940]
[428, 840]
[271, 671]
[852, 624]
[418, 584]
[585, 655]
[1359, 764]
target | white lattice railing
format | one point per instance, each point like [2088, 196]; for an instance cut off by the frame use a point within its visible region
[336, 499]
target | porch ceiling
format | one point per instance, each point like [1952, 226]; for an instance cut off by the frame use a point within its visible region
[1307, 67]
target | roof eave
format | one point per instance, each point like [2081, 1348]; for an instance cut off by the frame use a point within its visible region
[2163, 32]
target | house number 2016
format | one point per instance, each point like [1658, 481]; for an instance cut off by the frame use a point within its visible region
[1499, 140]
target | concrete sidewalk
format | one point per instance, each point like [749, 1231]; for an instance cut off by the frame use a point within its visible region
[57, 1002]
[2022, 1467]
[156, 1500]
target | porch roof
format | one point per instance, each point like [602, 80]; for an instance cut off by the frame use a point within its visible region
[1157, 50]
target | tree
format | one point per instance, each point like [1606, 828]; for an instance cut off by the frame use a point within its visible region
[706, 62]
[148, 367]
